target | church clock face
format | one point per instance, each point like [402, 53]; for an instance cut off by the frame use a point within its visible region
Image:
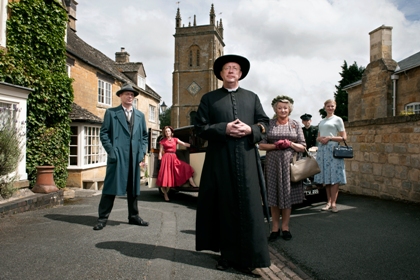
[193, 88]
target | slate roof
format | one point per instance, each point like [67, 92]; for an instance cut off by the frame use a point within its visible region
[404, 65]
[79, 114]
[408, 63]
[80, 49]
[130, 66]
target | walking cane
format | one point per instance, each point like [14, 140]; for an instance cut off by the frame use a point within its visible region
[263, 189]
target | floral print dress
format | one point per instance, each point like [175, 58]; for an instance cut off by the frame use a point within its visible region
[281, 192]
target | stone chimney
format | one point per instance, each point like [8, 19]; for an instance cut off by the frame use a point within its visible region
[381, 43]
[122, 56]
[71, 11]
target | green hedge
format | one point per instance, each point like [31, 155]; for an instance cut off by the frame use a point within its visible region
[36, 58]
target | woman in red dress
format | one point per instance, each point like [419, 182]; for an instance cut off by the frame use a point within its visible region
[173, 172]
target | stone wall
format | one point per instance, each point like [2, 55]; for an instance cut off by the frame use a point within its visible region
[386, 161]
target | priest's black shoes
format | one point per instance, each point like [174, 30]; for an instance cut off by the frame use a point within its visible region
[99, 226]
[136, 220]
[222, 264]
[248, 271]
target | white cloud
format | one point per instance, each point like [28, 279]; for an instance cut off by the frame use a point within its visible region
[295, 47]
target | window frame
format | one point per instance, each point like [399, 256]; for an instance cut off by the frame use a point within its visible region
[413, 105]
[152, 113]
[104, 93]
[141, 82]
[88, 155]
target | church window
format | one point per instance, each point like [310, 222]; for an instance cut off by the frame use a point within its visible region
[198, 57]
[191, 56]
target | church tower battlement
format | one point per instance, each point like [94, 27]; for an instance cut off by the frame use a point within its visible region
[196, 48]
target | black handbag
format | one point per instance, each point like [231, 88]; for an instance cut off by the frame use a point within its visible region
[343, 151]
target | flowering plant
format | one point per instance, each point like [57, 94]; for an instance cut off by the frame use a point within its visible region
[12, 138]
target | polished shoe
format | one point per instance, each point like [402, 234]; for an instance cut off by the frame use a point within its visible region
[273, 236]
[222, 264]
[327, 207]
[248, 271]
[99, 226]
[286, 235]
[136, 220]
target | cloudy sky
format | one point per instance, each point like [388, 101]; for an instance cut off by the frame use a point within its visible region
[296, 47]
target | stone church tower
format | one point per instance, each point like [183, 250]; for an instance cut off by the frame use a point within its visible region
[196, 48]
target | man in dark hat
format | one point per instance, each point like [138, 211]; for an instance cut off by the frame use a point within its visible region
[125, 153]
[230, 218]
[309, 131]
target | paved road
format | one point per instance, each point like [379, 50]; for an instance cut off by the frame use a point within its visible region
[59, 243]
[368, 239]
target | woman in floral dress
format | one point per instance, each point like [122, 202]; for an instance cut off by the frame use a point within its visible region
[284, 139]
[331, 132]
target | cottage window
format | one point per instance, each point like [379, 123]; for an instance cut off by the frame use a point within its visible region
[85, 147]
[152, 113]
[141, 82]
[104, 92]
[68, 70]
[413, 107]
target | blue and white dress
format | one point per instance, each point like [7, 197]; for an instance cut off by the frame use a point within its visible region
[332, 169]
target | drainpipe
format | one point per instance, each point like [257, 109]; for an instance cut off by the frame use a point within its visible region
[394, 93]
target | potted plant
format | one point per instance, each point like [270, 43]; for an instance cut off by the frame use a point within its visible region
[45, 171]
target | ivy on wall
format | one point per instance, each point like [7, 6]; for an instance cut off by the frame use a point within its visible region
[36, 58]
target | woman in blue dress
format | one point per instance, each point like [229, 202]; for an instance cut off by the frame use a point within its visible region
[330, 133]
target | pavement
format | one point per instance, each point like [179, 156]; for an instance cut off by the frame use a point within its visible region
[59, 243]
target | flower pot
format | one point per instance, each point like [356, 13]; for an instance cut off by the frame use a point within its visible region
[44, 180]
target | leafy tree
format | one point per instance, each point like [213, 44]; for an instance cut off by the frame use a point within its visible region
[165, 118]
[349, 75]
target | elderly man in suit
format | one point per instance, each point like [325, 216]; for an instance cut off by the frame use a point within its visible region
[124, 136]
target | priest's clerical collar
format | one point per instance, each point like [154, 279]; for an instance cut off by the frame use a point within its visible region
[232, 89]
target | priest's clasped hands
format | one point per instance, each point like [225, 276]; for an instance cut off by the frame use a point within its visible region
[238, 129]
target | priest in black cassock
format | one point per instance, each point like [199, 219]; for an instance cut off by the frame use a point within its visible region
[230, 217]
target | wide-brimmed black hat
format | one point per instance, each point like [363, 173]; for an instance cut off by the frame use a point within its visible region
[306, 117]
[222, 60]
[127, 87]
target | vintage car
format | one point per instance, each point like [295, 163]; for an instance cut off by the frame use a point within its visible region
[195, 157]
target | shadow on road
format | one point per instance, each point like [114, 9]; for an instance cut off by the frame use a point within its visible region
[78, 219]
[152, 252]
